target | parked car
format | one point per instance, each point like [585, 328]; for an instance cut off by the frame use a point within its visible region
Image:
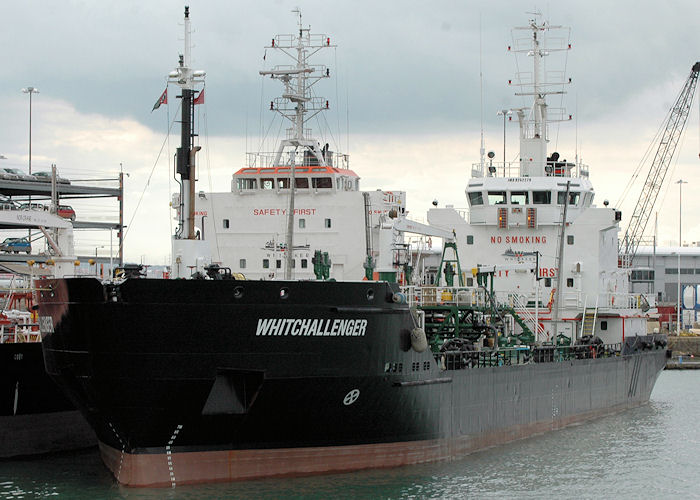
[8, 175]
[17, 174]
[16, 245]
[7, 203]
[33, 206]
[46, 177]
[66, 212]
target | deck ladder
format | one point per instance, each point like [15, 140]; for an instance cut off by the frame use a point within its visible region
[590, 315]
[526, 315]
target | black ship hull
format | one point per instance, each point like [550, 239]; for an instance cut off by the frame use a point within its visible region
[35, 416]
[189, 381]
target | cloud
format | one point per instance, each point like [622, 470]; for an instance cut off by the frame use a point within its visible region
[405, 79]
[401, 64]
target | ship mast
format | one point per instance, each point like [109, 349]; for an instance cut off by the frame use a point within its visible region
[189, 253]
[534, 134]
[298, 106]
[186, 78]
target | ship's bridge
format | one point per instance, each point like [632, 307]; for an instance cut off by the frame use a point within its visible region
[262, 175]
[529, 202]
[317, 179]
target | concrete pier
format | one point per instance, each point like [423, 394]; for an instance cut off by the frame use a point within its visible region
[686, 353]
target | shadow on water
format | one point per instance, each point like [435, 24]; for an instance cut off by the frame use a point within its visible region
[646, 452]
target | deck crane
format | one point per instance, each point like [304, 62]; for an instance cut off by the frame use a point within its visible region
[659, 167]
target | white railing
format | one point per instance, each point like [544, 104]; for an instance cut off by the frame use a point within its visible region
[611, 300]
[267, 160]
[20, 330]
[444, 295]
[512, 169]
[496, 169]
[519, 305]
[418, 296]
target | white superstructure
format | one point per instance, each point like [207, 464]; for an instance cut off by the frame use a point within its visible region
[518, 224]
[562, 272]
[264, 229]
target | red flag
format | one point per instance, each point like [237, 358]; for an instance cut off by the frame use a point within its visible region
[163, 99]
[199, 99]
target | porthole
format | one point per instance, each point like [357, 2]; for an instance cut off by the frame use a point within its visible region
[370, 294]
[238, 292]
[284, 293]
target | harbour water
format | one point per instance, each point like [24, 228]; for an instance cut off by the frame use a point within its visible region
[647, 452]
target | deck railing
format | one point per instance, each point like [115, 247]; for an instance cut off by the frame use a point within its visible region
[444, 295]
[267, 160]
[459, 360]
[512, 169]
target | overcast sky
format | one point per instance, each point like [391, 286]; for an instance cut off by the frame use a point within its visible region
[404, 94]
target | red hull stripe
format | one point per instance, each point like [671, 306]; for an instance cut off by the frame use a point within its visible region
[161, 470]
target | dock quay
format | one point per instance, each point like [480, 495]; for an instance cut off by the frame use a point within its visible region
[685, 353]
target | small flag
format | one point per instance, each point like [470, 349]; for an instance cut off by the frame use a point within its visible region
[199, 99]
[163, 99]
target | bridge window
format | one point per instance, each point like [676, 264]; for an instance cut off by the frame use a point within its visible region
[302, 223]
[322, 182]
[266, 263]
[278, 263]
[301, 182]
[497, 197]
[304, 263]
[226, 223]
[470, 239]
[542, 197]
[518, 198]
[283, 182]
[643, 275]
[476, 198]
[569, 239]
[242, 263]
[267, 183]
[573, 197]
[246, 183]
[328, 223]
